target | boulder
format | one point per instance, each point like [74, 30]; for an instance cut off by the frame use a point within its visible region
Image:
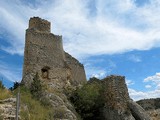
[137, 111]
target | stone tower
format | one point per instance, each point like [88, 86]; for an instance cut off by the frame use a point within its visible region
[44, 55]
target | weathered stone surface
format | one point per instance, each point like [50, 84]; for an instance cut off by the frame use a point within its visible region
[150, 104]
[8, 109]
[116, 99]
[61, 106]
[77, 73]
[137, 111]
[154, 114]
[44, 55]
[152, 107]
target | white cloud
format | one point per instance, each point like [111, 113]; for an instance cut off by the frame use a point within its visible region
[153, 92]
[155, 78]
[148, 86]
[11, 73]
[137, 95]
[115, 26]
[94, 71]
[129, 82]
[100, 75]
[98, 71]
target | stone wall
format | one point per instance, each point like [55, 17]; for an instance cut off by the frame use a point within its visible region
[77, 70]
[118, 105]
[41, 50]
[8, 109]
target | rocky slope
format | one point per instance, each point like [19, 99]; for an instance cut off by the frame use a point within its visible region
[152, 107]
[8, 109]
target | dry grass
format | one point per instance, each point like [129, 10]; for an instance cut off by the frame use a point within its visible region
[155, 114]
[32, 109]
[4, 94]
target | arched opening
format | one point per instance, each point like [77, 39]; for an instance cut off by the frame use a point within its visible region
[45, 72]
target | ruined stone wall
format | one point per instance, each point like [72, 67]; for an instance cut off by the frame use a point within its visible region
[77, 70]
[116, 99]
[39, 24]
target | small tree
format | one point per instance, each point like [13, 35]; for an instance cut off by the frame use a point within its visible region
[15, 86]
[36, 87]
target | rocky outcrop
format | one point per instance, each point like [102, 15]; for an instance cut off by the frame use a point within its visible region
[8, 109]
[154, 114]
[152, 107]
[137, 111]
[62, 108]
[150, 104]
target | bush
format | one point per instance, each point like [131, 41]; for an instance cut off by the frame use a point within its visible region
[88, 100]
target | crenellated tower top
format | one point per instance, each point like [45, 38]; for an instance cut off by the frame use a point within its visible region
[39, 24]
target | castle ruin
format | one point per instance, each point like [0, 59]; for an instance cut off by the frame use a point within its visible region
[44, 55]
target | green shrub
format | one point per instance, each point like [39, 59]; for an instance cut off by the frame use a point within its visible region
[88, 100]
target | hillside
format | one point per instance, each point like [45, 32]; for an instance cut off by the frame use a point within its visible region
[152, 107]
[93, 101]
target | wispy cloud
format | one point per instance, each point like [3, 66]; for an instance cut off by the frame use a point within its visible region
[129, 82]
[11, 73]
[155, 78]
[93, 71]
[137, 95]
[153, 88]
[148, 86]
[135, 58]
[103, 27]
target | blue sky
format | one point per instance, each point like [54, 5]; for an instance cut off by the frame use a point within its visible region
[108, 36]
